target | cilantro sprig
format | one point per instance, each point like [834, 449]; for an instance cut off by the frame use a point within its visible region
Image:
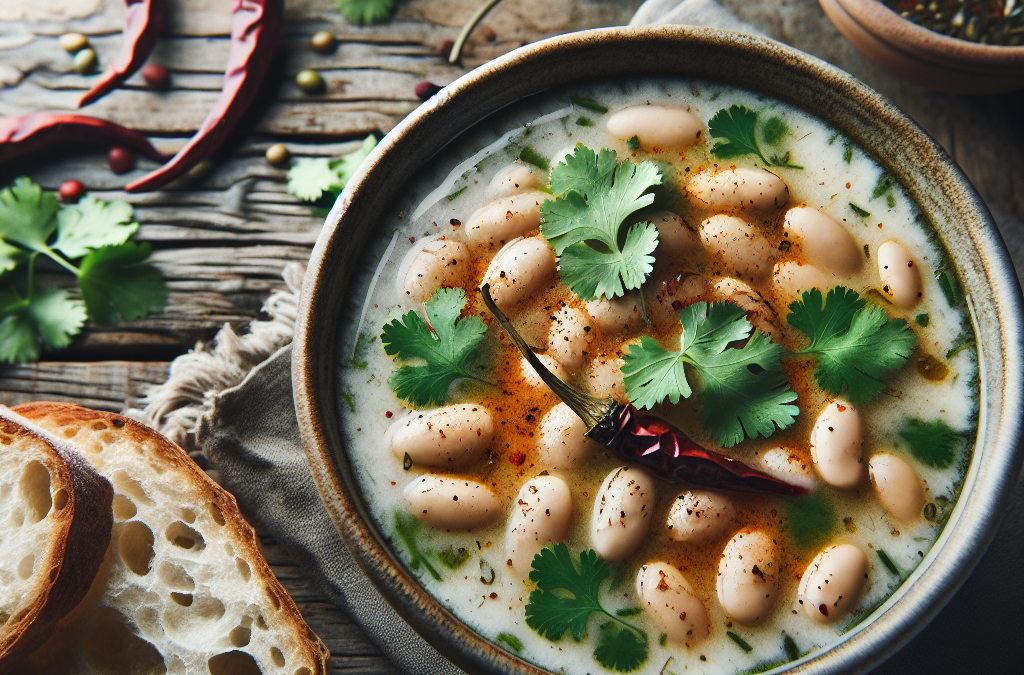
[743, 390]
[594, 194]
[447, 342]
[366, 12]
[115, 279]
[933, 443]
[321, 179]
[737, 130]
[855, 343]
[566, 598]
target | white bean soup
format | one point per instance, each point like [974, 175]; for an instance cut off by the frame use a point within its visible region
[736, 268]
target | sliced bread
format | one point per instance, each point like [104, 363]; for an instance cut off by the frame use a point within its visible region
[55, 524]
[185, 588]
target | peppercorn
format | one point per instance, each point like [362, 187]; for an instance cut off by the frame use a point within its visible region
[85, 61]
[157, 77]
[71, 191]
[73, 42]
[277, 154]
[322, 41]
[426, 89]
[310, 81]
[121, 160]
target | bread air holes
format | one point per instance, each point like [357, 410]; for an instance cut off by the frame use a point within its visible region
[242, 633]
[174, 576]
[188, 515]
[111, 649]
[303, 671]
[183, 599]
[34, 488]
[243, 568]
[233, 663]
[124, 509]
[128, 486]
[135, 546]
[277, 657]
[26, 565]
[60, 499]
[187, 617]
[216, 514]
[183, 536]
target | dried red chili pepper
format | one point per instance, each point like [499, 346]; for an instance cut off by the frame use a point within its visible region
[142, 24]
[255, 27]
[648, 440]
[23, 135]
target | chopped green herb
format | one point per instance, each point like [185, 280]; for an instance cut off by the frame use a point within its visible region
[922, 320]
[932, 443]
[961, 343]
[663, 639]
[453, 558]
[588, 103]
[322, 178]
[890, 201]
[458, 193]
[855, 343]
[764, 667]
[833, 137]
[950, 287]
[744, 392]
[883, 185]
[859, 211]
[566, 598]
[695, 90]
[847, 150]
[628, 611]
[530, 156]
[811, 519]
[407, 527]
[446, 341]
[511, 640]
[737, 129]
[347, 397]
[594, 195]
[365, 12]
[774, 130]
[583, 121]
[633, 144]
[887, 561]
[789, 646]
[743, 644]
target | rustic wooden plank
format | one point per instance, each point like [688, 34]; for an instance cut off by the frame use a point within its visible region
[109, 385]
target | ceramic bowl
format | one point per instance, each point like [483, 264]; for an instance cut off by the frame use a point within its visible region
[902, 148]
[923, 56]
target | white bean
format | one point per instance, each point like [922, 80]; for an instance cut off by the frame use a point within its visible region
[603, 378]
[833, 582]
[512, 180]
[790, 465]
[623, 512]
[836, 445]
[899, 488]
[530, 376]
[563, 442]
[669, 600]
[451, 503]
[449, 436]
[505, 219]
[901, 278]
[569, 337]
[747, 577]
[822, 241]
[520, 271]
[742, 250]
[666, 299]
[677, 243]
[542, 513]
[699, 515]
[734, 190]
[616, 315]
[441, 262]
[792, 278]
[658, 127]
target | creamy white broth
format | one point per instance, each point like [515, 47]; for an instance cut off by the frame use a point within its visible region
[547, 123]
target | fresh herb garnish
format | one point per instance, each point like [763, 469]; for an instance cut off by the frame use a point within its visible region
[810, 519]
[855, 343]
[633, 144]
[365, 12]
[566, 598]
[628, 611]
[743, 391]
[789, 646]
[950, 287]
[458, 193]
[511, 640]
[932, 443]
[323, 178]
[588, 104]
[530, 156]
[454, 558]
[774, 130]
[407, 527]
[743, 644]
[737, 129]
[961, 343]
[884, 185]
[863, 213]
[446, 341]
[922, 320]
[594, 195]
[349, 400]
[114, 277]
[887, 561]
[584, 121]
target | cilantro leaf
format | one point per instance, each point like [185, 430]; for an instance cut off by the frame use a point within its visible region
[743, 392]
[736, 127]
[407, 528]
[932, 443]
[93, 224]
[884, 185]
[117, 282]
[10, 257]
[27, 214]
[447, 343]
[855, 343]
[595, 194]
[49, 319]
[346, 166]
[365, 12]
[774, 130]
[311, 179]
[619, 648]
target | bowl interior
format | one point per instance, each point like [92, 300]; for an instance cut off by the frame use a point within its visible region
[897, 143]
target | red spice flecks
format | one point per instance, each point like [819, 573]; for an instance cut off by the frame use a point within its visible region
[388, 414]
[840, 407]
[823, 608]
[517, 458]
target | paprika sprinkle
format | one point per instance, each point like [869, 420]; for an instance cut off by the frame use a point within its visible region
[23, 135]
[143, 21]
[255, 27]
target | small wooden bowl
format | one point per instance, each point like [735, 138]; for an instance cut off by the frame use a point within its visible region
[923, 56]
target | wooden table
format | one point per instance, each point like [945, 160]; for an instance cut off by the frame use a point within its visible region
[222, 239]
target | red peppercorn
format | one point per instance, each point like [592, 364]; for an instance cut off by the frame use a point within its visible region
[156, 76]
[121, 160]
[425, 90]
[71, 191]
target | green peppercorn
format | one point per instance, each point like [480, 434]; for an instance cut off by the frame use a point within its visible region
[85, 61]
[310, 81]
[277, 154]
[322, 41]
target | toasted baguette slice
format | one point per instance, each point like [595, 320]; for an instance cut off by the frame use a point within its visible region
[55, 524]
[186, 588]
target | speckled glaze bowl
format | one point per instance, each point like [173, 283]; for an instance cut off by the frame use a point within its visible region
[923, 56]
[902, 148]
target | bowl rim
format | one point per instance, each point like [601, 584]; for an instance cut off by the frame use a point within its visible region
[314, 358]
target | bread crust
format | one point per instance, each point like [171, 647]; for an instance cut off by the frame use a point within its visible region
[59, 415]
[75, 550]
